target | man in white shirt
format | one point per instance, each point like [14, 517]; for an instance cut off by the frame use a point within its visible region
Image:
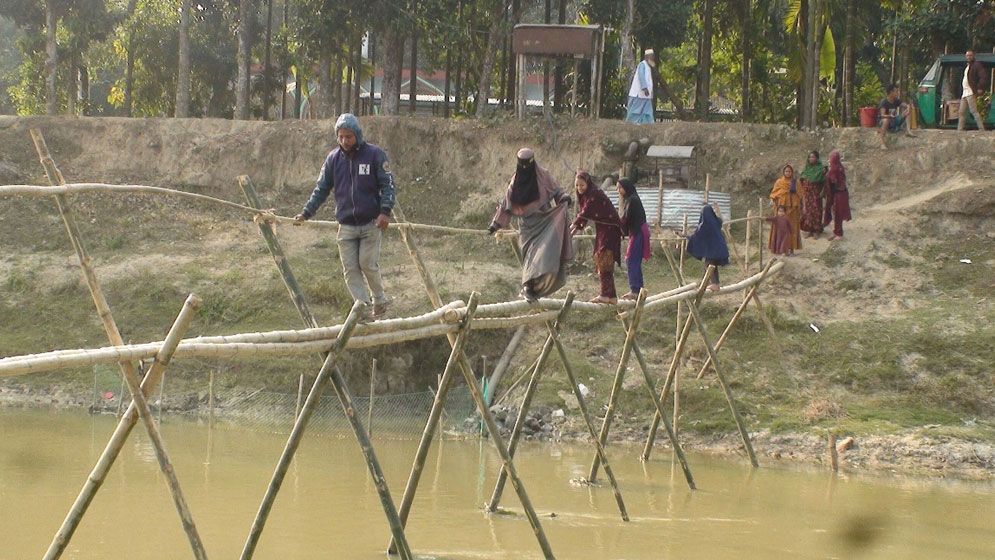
[973, 84]
[640, 107]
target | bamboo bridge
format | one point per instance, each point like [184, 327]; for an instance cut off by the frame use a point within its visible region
[456, 320]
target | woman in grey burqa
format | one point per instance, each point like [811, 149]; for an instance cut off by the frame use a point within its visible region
[537, 201]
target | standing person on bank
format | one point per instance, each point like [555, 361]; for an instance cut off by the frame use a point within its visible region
[975, 82]
[785, 193]
[837, 196]
[359, 176]
[640, 107]
[813, 182]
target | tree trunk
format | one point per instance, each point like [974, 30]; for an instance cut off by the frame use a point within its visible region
[336, 104]
[679, 109]
[245, 8]
[848, 62]
[393, 56]
[545, 64]
[413, 77]
[704, 87]
[516, 7]
[326, 96]
[357, 64]
[182, 109]
[487, 68]
[809, 62]
[349, 75]
[746, 39]
[84, 90]
[72, 88]
[129, 72]
[626, 60]
[267, 59]
[447, 88]
[285, 72]
[819, 7]
[51, 60]
[558, 89]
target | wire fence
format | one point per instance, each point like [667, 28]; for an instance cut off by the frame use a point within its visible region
[398, 415]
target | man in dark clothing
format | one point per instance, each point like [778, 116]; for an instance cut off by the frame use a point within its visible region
[974, 83]
[893, 114]
[358, 174]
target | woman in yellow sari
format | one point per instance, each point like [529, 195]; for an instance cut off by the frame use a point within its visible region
[785, 193]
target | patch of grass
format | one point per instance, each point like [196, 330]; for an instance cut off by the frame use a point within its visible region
[20, 281]
[834, 256]
[114, 243]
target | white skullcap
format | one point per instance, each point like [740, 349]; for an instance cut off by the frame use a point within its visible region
[648, 51]
[526, 154]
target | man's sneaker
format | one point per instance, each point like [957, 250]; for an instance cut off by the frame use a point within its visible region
[379, 311]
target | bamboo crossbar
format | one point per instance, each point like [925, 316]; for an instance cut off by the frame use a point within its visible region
[308, 341]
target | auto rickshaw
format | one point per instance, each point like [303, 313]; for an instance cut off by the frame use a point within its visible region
[940, 92]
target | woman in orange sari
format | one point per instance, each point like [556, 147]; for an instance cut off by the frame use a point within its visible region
[785, 193]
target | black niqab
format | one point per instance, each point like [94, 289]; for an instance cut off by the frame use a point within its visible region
[525, 186]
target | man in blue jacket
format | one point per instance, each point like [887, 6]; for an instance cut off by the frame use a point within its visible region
[357, 172]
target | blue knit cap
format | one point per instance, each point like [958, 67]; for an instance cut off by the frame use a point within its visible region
[349, 121]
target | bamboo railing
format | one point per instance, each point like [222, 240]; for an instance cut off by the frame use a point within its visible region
[456, 320]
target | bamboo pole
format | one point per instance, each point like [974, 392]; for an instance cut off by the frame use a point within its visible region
[735, 317]
[523, 409]
[674, 364]
[373, 389]
[746, 246]
[300, 397]
[726, 389]
[128, 372]
[120, 436]
[328, 373]
[434, 416]
[623, 363]
[506, 357]
[588, 422]
[467, 371]
[210, 397]
[341, 390]
[834, 458]
[658, 405]
[760, 231]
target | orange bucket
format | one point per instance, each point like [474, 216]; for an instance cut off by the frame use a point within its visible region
[868, 117]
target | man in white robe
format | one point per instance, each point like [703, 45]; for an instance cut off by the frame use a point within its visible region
[640, 107]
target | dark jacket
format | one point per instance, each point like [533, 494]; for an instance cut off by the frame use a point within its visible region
[977, 77]
[364, 189]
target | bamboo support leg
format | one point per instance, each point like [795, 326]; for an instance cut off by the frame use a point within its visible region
[523, 410]
[328, 372]
[338, 384]
[616, 392]
[674, 364]
[508, 462]
[467, 370]
[658, 404]
[373, 388]
[746, 245]
[705, 339]
[128, 370]
[434, 416]
[120, 436]
[588, 422]
[735, 317]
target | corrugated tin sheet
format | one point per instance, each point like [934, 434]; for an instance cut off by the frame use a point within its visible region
[670, 151]
[677, 203]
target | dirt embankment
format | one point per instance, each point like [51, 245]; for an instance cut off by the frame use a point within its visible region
[905, 339]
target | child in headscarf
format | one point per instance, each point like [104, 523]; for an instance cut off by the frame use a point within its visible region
[632, 216]
[837, 196]
[708, 244]
[785, 193]
[781, 233]
[813, 178]
[593, 205]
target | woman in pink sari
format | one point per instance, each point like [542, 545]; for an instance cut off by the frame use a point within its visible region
[837, 196]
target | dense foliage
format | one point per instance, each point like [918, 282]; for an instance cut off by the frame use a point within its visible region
[806, 62]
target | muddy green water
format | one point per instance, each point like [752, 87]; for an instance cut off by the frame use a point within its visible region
[329, 509]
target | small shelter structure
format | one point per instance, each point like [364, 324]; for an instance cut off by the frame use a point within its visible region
[579, 42]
